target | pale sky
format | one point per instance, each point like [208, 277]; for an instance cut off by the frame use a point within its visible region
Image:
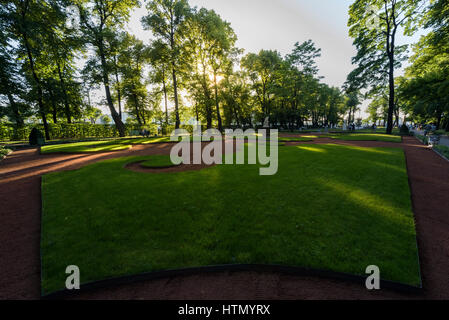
[279, 24]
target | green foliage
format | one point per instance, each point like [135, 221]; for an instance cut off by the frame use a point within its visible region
[4, 152]
[426, 82]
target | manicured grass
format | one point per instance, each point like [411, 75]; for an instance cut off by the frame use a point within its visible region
[379, 130]
[158, 161]
[366, 137]
[329, 207]
[100, 146]
[81, 147]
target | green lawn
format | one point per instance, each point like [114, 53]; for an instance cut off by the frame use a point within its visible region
[158, 161]
[100, 146]
[127, 143]
[443, 150]
[329, 207]
[366, 137]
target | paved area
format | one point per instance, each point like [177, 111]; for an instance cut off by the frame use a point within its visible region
[20, 203]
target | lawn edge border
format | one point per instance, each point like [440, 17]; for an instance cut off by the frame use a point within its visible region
[296, 271]
[414, 220]
[440, 154]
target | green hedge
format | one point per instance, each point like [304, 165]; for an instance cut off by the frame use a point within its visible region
[4, 152]
[66, 131]
[423, 139]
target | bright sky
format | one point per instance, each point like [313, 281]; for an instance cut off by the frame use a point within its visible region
[279, 24]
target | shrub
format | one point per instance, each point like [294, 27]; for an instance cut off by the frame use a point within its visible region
[4, 152]
[404, 130]
[36, 138]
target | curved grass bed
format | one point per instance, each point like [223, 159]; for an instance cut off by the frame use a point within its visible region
[100, 146]
[326, 208]
[158, 161]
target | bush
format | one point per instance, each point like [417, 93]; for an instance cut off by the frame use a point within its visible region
[36, 138]
[3, 152]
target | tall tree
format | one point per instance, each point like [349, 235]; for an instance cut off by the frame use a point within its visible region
[28, 23]
[100, 19]
[262, 69]
[160, 61]
[374, 25]
[131, 66]
[166, 20]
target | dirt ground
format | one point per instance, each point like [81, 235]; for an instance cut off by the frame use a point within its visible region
[20, 211]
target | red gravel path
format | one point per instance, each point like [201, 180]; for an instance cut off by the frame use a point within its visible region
[20, 201]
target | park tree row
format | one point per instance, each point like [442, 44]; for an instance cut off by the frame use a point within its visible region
[54, 52]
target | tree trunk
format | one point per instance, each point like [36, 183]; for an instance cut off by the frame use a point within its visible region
[118, 122]
[119, 97]
[136, 104]
[175, 88]
[39, 87]
[207, 100]
[217, 105]
[54, 108]
[196, 112]
[64, 92]
[165, 96]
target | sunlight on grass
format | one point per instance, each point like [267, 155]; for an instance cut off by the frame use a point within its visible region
[313, 149]
[100, 146]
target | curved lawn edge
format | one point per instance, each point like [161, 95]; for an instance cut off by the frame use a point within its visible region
[295, 271]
